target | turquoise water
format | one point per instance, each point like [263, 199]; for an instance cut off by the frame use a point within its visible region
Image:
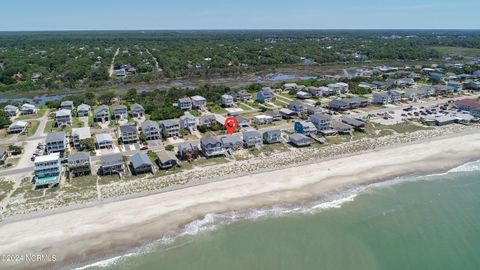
[430, 222]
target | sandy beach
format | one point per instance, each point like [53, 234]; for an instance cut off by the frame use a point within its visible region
[108, 228]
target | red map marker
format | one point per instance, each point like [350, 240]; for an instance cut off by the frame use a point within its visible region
[231, 124]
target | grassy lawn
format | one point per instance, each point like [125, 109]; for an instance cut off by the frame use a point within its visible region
[32, 128]
[4, 134]
[194, 113]
[218, 109]
[40, 113]
[280, 102]
[457, 51]
[77, 123]
[5, 188]
[244, 107]
[287, 95]
[209, 161]
[50, 127]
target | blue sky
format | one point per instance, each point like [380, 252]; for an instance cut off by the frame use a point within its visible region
[238, 14]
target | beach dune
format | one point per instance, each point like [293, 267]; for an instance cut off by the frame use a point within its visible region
[105, 229]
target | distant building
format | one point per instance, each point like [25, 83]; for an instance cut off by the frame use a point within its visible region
[272, 136]
[381, 98]
[227, 101]
[83, 110]
[137, 110]
[198, 102]
[252, 138]
[79, 164]
[467, 104]
[232, 142]
[265, 95]
[297, 107]
[167, 160]
[151, 130]
[128, 134]
[67, 105]
[18, 127]
[185, 104]
[11, 110]
[29, 109]
[120, 112]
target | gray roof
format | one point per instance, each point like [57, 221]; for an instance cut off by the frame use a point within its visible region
[103, 137]
[137, 107]
[110, 160]
[297, 137]
[66, 103]
[251, 133]
[272, 132]
[184, 100]
[198, 98]
[83, 107]
[10, 107]
[55, 136]
[353, 122]
[82, 133]
[140, 159]
[128, 129]
[187, 146]
[120, 107]
[101, 108]
[170, 122]
[231, 139]
[165, 156]
[79, 156]
[148, 123]
[63, 112]
[209, 140]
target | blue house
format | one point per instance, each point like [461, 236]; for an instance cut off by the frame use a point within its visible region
[265, 95]
[455, 86]
[305, 128]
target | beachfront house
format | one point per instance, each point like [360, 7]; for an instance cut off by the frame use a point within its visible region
[185, 104]
[120, 112]
[171, 127]
[79, 164]
[198, 102]
[104, 141]
[111, 164]
[128, 134]
[79, 134]
[304, 95]
[18, 127]
[341, 128]
[272, 136]
[315, 91]
[47, 170]
[56, 142]
[63, 118]
[243, 121]
[252, 138]
[102, 114]
[299, 140]
[11, 110]
[140, 163]
[211, 147]
[304, 127]
[83, 110]
[227, 101]
[166, 160]
[287, 113]
[28, 109]
[322, 122]
[151, 130]
[265, 95]
[67, 105]
[233, 142]
[262, 119]
[244, 96]
[467, 104]
[137, 111]
[355, 123]
[188, 150]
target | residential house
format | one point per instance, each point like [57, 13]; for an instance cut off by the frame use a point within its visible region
[315, 91]
[79, 164]
[341, 127]
[104, 141]
[367, 86]
[67, 105]
[102, 114]
[244, 96]
[207, 120]
[151, 130]
[211, 147]
[63, 118]
[265, 95]
[379, 85]
[290, 86]
[276, 116]
[395, 96]
[311, 109]
[188, 149]
[322, 122]
[472, 85]
[296, 106]
[111, 164]
[262, 119]
[356, 124]
[83, 110]
[18, 127]
[140, 163]
[185, 104]
[299, 140]
[188, 122]
[232, 142]
[56, 143]
[171, 127]
[436, 76]
[252, 138]
[287, 113]
[227, 101]
[243, 121]
[137, 111]
[198, 102]
[47, 170]
[272, 136]
[167, 160]
[467, 104]
[120, 112]
[79, 134]
[11, 110]
[303, 95]
[338, 88]
[128, 134]
[304, 127]
[381, 98]
[338, 105]
[455, 86]
[29, 109]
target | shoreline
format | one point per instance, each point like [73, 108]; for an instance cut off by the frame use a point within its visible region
[117, 226]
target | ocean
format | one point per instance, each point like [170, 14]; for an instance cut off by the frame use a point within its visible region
[427, 222]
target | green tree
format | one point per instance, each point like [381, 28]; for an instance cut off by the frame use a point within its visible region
[4, 119]
[87, 144]
[169, 147]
